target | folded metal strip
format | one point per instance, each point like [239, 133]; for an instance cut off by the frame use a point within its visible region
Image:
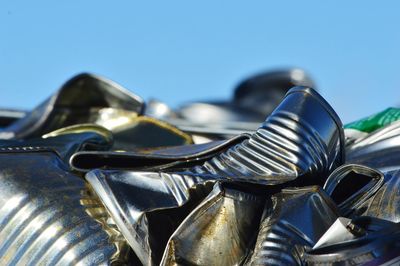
[378, 246]
[219, 231]
[297, 216]
[73, 103]
[385, 203]
[168, 199]
[291, 143]
[365, 183]
[314, 133]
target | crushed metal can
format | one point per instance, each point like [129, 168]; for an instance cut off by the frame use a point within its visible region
[97, 176]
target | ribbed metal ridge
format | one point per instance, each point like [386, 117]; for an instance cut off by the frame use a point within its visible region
[282, 228]
[276, 246]
[42, 219]
[302, 137]
[283, 146]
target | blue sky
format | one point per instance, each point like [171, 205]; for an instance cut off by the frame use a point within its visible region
[177, 51]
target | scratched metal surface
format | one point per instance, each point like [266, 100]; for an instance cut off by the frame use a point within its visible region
[44, 215]
[220, 231]
[297, 216]
[308, 149]
[302, 138]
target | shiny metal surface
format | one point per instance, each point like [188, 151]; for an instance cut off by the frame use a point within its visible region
[379, 149]
[385, 203]
[8, 116]
[159, 110]
[296, 216]
[148, 159]
[379, 245]
[64, 142]
[220, 231]
[366, 192]
[78, 101]
[147, 132]
[263, 92]
[338, 232]
[147, 207]
[215, 131]
[302, 139]
[253, 100]
[45, 214]
[217, 113]
[352, 185]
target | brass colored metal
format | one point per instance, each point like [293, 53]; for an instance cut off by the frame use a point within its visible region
[219, 231]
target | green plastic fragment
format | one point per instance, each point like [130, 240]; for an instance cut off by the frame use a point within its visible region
[376, 121]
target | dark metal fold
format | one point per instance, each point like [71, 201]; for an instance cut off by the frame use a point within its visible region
[64, 142]
[352, 185]
[374, 242]
[147, 159]
[219, 231]
[385, 203]
[78, 101]
[148, 207]
[296, 216]
[252, 100]
[360, 190]
[301, 140]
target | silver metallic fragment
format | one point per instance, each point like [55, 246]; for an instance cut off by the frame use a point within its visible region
[220, 231]
[297, 216]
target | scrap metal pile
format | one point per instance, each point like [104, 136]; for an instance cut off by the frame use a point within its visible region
[94, 175]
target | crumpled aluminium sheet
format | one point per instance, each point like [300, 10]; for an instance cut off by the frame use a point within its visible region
[95, 175]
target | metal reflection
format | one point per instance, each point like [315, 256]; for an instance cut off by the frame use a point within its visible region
[362, 191]
[296, 216]
[175, 157]
[302, 139]
[312, 141]
[379, 149]
[147, 207]
[370, 241]
[44, 213]
[253, 99]
[78, 101]
[219, 231]
[352, 185]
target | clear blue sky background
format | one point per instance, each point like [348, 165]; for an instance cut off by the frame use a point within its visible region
[186, 50]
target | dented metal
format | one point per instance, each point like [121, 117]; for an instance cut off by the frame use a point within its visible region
[175, 157]
[351, 185]
[379, 245]
[252, 160]
[95, 176]
[296, 216]
[220, 231]
[48, 215]
[80, 100]
[147, 208]
[302, 139]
